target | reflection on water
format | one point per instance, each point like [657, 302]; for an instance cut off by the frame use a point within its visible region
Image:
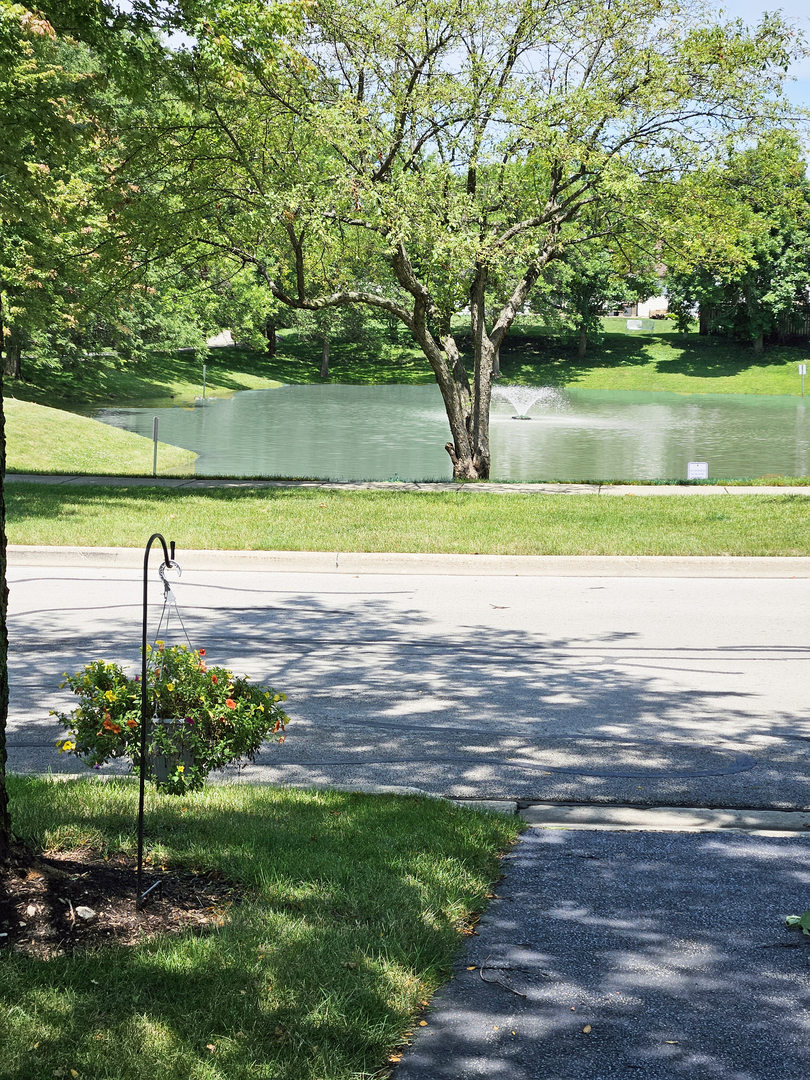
[387, 432]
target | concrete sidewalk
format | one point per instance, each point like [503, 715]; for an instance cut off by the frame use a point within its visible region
[481, 488]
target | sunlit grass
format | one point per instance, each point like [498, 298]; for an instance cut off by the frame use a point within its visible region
[358, 905]
[41, 439]
[295, 519]
[657, 360]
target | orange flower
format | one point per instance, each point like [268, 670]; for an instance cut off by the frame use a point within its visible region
[132, 723]
[214, 678]
[203, 668]
[230, 703]
[201, 652]
[110, 726]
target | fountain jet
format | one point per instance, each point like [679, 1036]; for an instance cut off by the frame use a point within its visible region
[521, 398]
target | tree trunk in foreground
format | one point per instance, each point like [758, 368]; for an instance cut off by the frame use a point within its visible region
[325, 357]
[5, 821]
[759, 344]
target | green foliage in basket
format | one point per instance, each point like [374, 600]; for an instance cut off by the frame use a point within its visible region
[216, 718]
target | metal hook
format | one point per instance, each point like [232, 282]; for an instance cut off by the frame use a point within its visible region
[170, 565]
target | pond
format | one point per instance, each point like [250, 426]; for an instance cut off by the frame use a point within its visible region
[345, 432]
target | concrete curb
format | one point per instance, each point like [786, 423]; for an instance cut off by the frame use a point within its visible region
[356, 563]
[665, 819]
[484, 488]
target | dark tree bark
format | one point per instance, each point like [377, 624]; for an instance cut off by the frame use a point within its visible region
[12, 355]
[5, 821]
[703, 321]
[583, 342]
[759, 344]
[270, 333]
[325, 357]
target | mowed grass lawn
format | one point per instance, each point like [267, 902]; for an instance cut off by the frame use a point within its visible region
[45, 440]
[464, 521]
[356, 907]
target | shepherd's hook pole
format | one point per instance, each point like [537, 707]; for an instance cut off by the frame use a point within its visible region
[168, 559]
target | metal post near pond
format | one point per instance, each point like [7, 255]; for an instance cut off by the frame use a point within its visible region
[168, 560]
[802, 373]
[154, 440]
[203, 382]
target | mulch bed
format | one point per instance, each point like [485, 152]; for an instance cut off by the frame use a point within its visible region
[72, 901]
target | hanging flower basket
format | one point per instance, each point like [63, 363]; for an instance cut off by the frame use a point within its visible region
[204, 718]
[169, 754]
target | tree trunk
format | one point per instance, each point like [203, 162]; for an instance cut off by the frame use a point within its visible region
[583, 342]
[703, 321]
[5, 821]
[325, 357]
[759, 343]
[270, 334]
[12, 353]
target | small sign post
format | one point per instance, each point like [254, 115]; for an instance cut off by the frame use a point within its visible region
[697, 470]
[802, 372]
[203, 382]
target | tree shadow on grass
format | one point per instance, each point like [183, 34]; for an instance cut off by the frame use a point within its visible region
[356, 911]
[555, 363]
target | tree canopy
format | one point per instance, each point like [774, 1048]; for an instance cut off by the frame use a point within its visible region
[435, 157]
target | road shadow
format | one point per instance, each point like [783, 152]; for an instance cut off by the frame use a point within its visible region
[379, 691]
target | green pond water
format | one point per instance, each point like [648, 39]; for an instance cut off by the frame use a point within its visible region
[398, 432]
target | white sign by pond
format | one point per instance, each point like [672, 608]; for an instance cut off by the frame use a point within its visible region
[697, 470]
[802, 369]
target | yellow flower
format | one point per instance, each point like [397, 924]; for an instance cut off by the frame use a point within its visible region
[170, 686]
[66, 746]
[109, 695]
[181, 768]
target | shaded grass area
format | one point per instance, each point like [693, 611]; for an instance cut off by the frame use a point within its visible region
[617, 359]
[161, 380]
[41, 439]
[359, 905]
[295, 519]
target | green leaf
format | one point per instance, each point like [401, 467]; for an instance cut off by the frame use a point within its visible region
[799, 922]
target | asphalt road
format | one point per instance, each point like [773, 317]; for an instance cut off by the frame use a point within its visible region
[630, 956]
[678, 691]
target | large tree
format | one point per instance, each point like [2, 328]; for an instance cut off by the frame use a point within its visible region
[750, 278]
[408, 157]
[57, 67]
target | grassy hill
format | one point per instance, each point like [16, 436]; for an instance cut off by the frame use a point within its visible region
[41, 439]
